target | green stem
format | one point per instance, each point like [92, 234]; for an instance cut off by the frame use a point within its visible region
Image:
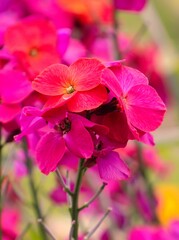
[74, 209]
[116, 51]
[34, 194]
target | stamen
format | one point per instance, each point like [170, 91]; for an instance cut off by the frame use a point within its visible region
[33, 52]
[64, 126]
[70, 89]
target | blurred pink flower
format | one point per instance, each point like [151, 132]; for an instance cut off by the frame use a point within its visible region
[9, 223]
[130, 5]
[14, 87]
[34, 42]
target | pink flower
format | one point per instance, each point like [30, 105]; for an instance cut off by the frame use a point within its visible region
[138, 103]
[9, 223]
[33, 41]
[74, 51]
[58, 195]
[150, 233]
[79, 86]
[110, 165]
[145, 59]
[68, 132]
[51, 10]
[130, 5]
[14, 87]
[64, 130]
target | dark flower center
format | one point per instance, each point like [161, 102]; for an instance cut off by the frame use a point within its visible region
[99, 146]
[64, 126]
[112, 106]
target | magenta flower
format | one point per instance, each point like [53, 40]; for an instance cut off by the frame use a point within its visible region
[64, 130]
[58, 195]
[14, 87]
[150, 233]
[110, 165]
[10, 219]
[130, 5]
[138, 102]
[69, 132]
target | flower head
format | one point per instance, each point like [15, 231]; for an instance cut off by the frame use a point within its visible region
[33, 41]
[79, 85]
[138, 102]
[62, 130]
[14, 87]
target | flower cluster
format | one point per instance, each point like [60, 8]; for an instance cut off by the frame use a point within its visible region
[91, 110]
[75, 97]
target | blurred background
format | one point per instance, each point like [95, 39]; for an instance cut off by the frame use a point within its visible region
[149, 37]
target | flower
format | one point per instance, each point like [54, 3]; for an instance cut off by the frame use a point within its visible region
[14, 87]
[10, 219]
[61, 130]
[138, 103]
[130, 5]
[33, 41]
[110, 165]
[79, 85]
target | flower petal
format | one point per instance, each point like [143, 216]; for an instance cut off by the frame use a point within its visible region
[128, 77]
[53, 81]
[111, 81]
[130, 5]
[58, 195]
[78, 140]
[112, 167]
[30, 32]
[14, 86]
[118, 127]
[147, 138]
[98, 128]
[8, 112]
[86, 73]
[50, 150]
[87, 100]
[54, 101]
[63, 39]
[30, 125]
[144, 108]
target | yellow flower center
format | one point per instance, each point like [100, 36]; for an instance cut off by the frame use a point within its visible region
[70, 89]
[33, 52]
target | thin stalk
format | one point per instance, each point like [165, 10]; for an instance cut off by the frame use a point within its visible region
[116, 51]
[46, 229]
[93, 230]
[63, 184]
[34, 194]
[94, 197]
[25, 230]
[74, 209]
[71, 230]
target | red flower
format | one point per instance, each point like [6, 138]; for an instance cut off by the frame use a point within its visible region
[78, 85]
[33, 41]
